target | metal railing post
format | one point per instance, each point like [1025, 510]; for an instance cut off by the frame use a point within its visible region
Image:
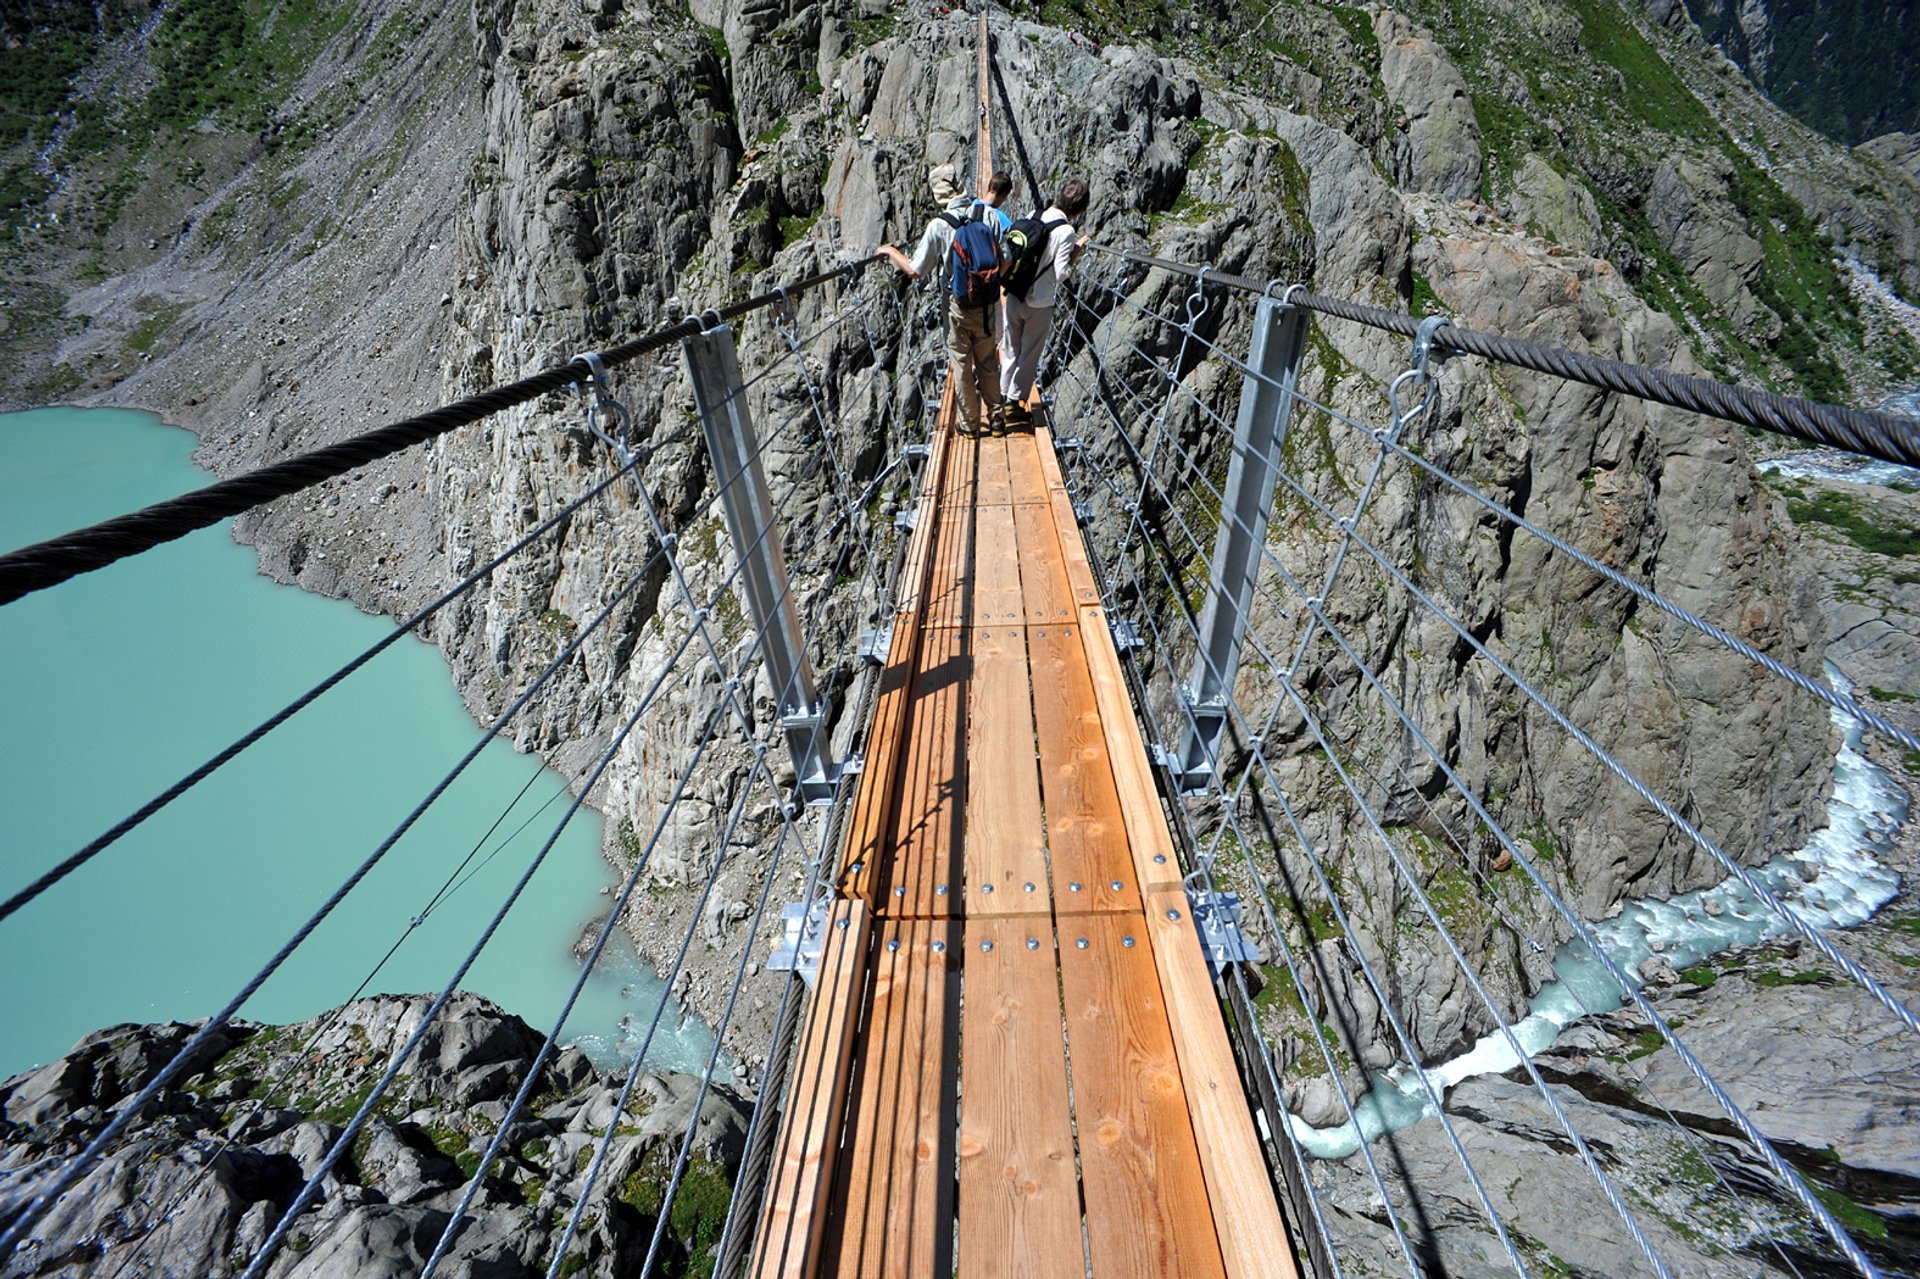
[1259, 432]
[727, 423]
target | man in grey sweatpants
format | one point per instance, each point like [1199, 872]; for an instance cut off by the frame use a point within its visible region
[1029, 318]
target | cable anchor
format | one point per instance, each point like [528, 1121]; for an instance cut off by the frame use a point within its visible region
[601, 403]
[1426, 352]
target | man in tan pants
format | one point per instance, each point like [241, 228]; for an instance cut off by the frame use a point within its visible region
[972, 348]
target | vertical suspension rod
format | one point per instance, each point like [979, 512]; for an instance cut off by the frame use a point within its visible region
[727, 423]
[1259, 434]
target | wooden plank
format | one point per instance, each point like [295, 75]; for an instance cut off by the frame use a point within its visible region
[1029, 480]
[950, 592]
[893, 1197]
[1086, 836]
[963, 476]
[996, 568]
[1073, 551]
[793, 1216]
[1005, 855]
[913, 568]
[995, 483]
[1019, 1195]
[870, 824]
[1043, 575]
[919, 873]
[1146, 1198]
[1245, 1210]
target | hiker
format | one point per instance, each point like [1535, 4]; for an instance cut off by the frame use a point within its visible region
[968, 251]
[993, 205]
[1044, 249]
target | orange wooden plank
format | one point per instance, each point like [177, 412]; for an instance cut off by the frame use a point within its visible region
[914, 567]
[1146, 1199]
[950, 592]
[1252, 1236]
[1005, 855]
[870, 824]
[1043, 575]
[919, 873]
[1086, 837]
[1073, 551]
[893, 1199]
[793, 1216]
[963, 475]
[1023, 468]
[1019, 1195]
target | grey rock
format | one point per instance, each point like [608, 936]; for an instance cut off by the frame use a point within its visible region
[1438, 147]
[1690, 206]
[1553, 206]
[191, 1190]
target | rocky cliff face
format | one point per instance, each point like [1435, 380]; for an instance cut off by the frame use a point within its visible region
[1845, 69]
[199, 1186]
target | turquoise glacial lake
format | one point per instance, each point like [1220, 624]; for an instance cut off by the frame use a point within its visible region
[116, 684]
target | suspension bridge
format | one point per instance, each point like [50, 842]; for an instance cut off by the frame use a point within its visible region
[1018, 1033]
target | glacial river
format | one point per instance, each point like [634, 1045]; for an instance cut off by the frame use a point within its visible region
[116, 684]
[1835, 881]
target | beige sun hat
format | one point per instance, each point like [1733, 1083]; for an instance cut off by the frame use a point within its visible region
[945, 181]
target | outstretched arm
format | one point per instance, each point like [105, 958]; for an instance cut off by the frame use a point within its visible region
[899, 259]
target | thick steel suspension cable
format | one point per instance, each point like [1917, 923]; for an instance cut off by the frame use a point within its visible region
[48, 563]
[1882, 435]
[1842, 702]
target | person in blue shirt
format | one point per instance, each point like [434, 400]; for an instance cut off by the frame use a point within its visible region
[993, 205]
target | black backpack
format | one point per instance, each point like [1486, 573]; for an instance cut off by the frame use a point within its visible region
[974, 263]
[1027, 254]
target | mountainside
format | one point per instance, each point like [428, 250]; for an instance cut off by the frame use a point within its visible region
[350, 211]
[1846, 68]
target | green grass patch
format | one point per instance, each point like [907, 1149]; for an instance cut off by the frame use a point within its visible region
[1810, 977]
[1844, 513]
[1857, 1220]
[794, 229]
[1701, 976]
[1645, 1044]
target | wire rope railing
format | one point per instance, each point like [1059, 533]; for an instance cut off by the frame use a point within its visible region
[1116, 398]
[848, 538]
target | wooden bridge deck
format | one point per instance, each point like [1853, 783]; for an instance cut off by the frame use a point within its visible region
[1014, 1063]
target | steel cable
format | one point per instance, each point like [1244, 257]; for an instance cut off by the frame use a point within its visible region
[48, 563]
[1882, 435]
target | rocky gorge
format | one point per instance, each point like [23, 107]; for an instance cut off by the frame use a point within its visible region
[457, 198]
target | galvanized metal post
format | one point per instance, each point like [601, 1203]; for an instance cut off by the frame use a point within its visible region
[728, 425]
[1266, 401]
